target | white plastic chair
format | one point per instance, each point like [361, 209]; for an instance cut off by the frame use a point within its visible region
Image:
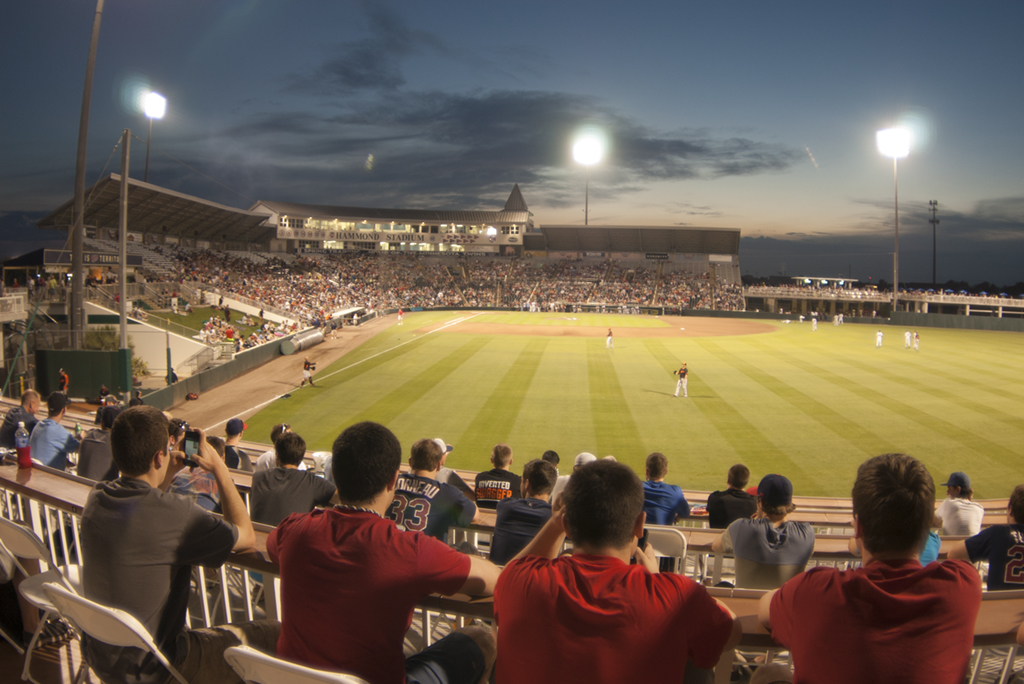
[25, 544]
[109, 625]
[668, 542]
[255, 667]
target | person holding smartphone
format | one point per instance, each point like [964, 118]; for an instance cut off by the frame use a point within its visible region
[139, 543]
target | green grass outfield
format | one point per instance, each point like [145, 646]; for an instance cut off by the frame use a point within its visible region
[811, 406]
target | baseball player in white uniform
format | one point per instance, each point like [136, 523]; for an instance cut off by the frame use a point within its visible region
[681, 383]
[814, 324]
[878, 339]
[608, 344]
[906, 340]
[917, 342]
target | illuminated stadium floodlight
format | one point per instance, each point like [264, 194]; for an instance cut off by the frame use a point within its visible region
[155, 106]
[587, 150]
[895, 143]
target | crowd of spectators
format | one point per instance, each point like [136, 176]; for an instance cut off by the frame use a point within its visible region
[383, 548]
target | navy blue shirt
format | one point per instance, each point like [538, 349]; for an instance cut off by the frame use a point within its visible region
[663, 502]
[1003, 547]
[425, 505]
[517, 522]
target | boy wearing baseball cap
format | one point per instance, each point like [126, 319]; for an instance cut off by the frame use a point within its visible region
[233, 456]
[957, 514]
[769, 549]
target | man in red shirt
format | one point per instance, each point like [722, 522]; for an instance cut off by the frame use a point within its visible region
[350, 578]
[891, 619]
[593, 617]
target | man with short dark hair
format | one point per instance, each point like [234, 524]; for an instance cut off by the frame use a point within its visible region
[268, 459]
[551, 457]
[375, 575]
[26, 413]
[50, 442]
[519, 520]
[663, 503]
[1001, 545]
[498, 483]
[421, 503]
[278, 493]
[769, 549]
[734, 502]
[139, 544]
[890, 619]
[593, 617]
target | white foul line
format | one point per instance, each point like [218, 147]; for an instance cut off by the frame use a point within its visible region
[253, 409]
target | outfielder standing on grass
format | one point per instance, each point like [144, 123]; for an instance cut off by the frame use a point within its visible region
[681, 383]
[608, 344]
[307, 372]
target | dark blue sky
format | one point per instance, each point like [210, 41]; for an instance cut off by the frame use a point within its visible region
[759, 116]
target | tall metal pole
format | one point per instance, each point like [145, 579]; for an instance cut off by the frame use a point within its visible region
[77, 318]
[896, 252]
[934, 204]
[122, 226]
[145, 176]
[586, 201]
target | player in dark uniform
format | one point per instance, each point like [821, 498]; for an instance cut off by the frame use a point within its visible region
[681, 383]
[422, 504]
[307, 372]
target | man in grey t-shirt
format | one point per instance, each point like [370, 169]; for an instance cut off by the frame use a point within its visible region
[139, 544]
[768, 548]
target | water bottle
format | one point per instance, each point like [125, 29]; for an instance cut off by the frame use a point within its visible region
[21, 444]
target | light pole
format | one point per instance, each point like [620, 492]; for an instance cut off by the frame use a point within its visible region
[934, 206]
[587, 150]
[155, 106]
[77, 318]
[895, 143]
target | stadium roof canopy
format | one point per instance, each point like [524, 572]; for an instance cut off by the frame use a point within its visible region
[636, 239]
[152, 209]
[514, 213]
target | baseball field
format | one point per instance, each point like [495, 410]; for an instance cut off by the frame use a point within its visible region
[773, 395]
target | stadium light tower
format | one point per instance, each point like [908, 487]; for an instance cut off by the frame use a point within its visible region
[587, 150]
[934, 206]
[155, 106]
[895, 143]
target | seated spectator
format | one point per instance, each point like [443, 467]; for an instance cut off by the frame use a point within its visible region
[519, 520]
[234, 456]
[139, 544]
[284, 490]
[663, 503]
[136, 399]
[957, 515]
[733, 503]
[50, 442]
[448, 475]
[268, 459]
[551, 457]
[26, 413]
[581, 460]
[373, 575]
[422, 504]
[769, 549]
[95, 460]
[1000, 545]
[104, 401]
[890, 619]
[593, 617]
[498, 483]
[199, 484]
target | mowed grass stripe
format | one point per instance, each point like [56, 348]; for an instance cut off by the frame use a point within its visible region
[410, 392]
[977, 444]
[614, 427]
[856, 435]
[959, 400]
[499, 413]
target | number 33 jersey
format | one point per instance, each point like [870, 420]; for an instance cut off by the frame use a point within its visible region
[425, 505]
